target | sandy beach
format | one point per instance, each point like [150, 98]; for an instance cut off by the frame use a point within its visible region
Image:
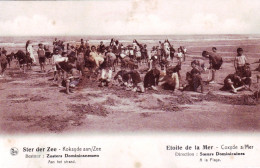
[30, 103]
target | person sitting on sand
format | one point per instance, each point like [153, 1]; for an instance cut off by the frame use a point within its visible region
[95, 57]
[164, 63]
[136, 80]
[122, 78]
[152, 62]
[151, 79]
[215, 62]
[170, 80]
[41, 56]
[240, 61]
[3, 62]
[194, 78]
[245, 74]
[233, 82]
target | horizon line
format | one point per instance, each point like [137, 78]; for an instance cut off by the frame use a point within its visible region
[131, 35]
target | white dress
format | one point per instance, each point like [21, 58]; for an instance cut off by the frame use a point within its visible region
[30, 50]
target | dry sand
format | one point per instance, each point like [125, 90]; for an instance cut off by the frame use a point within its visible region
[29, 103]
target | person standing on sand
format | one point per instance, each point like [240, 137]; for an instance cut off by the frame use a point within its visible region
[48, 54]
[172, 51]
[179, 56]
[183, 50]
[240, 61]
[55, 42]
[116, 49]
[57, 58]
[29, 50]
[106, 68]
[215, 62]
[3, 62]
[41, 56]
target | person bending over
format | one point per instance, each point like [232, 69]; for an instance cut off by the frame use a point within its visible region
[136, 80]
[233, 83]
[215, 62]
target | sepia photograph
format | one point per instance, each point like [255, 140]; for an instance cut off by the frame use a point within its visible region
[129, 66]
[130, 83]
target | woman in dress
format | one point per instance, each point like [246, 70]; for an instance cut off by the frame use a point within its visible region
[29, 50]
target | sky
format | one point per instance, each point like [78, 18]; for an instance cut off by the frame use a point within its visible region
[129, 17]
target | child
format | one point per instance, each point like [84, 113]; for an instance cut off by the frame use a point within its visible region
[170, 81]
[80, 62]
[152, 63]
[131, 52]
[153, 52]
[71, 79]
[159, 51]
[215, 62]
[136, 79]
[141, 54]
[233, 82]
[137, 55]
[151, 79]
[245, 75]
[41, 56]
[240, 60]
[194, 78]
[172, 51]
[122, 78]
[179, 56]
[123, 53]
[106, 68]
[184, 51]
[95, 58]
[57, 58]
[48, 54]
[9, 58]
[3, 62]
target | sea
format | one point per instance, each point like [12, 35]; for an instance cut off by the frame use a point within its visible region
[195, 44]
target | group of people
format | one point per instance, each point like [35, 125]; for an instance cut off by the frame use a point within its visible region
[105, 59]
[241, 79]
[72, 63]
